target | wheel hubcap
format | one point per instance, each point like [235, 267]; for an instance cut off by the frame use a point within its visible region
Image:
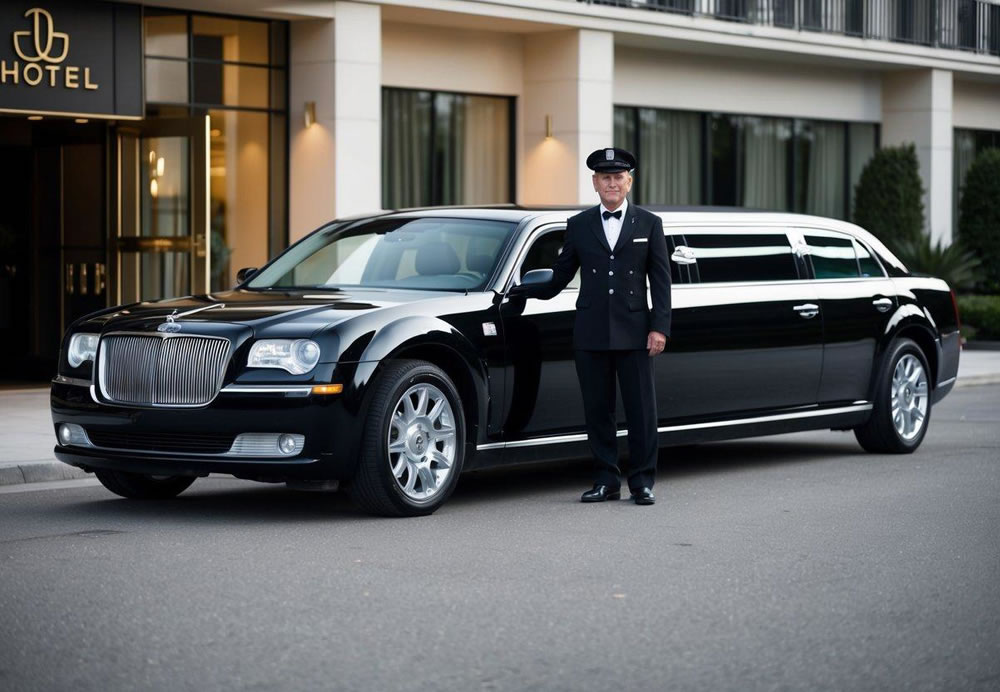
[909, 397]
[421, 442]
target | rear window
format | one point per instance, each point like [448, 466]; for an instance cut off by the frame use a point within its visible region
[832, 257]
[867, 262]
[734, 257]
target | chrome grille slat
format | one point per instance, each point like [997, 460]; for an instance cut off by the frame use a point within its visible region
[149, 370]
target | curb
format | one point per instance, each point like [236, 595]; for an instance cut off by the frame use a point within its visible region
[975, 380]
[39, 472]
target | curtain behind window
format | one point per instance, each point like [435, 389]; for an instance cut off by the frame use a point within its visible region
[486, 157]
[963, 155]
[861, 138]
[669, 171]
[406, 148]
[765, 162]
[824, 170]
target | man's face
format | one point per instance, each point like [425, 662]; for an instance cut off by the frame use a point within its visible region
[612, 187]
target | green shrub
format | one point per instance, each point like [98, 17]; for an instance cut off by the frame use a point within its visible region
[888, 199]
[953, 263]
[982, 313]
[979, 216]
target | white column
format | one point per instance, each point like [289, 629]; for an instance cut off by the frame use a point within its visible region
[917, 108]
[567, 76]
[357, 104]
[335, 165]
[311, 171]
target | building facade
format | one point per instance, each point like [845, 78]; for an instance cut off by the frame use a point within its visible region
[152, 150]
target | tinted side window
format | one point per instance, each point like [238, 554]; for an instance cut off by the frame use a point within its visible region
[743, 257]
[543, 252]
[869, 265]
[832, 257]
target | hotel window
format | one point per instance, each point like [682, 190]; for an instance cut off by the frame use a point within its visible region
[235, 71]
[782, 164]
[968, 145]
[446, 148]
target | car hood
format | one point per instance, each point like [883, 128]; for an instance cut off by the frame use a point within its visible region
[301, 312]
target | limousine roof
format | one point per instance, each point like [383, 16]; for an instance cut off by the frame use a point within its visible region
[699, 215]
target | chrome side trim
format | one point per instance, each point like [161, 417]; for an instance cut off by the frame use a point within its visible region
[945, 383]
[266, 389]
[75, 381]
[582, 437]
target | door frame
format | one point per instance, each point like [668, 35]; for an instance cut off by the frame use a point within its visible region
[126, 213]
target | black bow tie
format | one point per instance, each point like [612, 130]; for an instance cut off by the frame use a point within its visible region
[608, 214]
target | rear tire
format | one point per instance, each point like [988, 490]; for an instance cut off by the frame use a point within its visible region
[136, 486]
[413, 443]
[902, 408]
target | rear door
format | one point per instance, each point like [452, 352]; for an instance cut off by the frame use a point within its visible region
[747, 335]
[857, 300]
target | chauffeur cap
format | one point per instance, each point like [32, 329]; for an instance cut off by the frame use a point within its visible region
[610, 160]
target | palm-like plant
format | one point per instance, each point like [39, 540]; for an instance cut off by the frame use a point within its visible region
[954, 263]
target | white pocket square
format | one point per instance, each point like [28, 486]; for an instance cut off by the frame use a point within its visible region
[640, 240]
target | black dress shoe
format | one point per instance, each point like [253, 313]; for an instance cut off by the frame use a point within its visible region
[643, 496]
[600, 493]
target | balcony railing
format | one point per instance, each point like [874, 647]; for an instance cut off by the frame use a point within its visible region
[972, 25]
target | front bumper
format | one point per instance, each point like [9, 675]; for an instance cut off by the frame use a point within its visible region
[329, 452]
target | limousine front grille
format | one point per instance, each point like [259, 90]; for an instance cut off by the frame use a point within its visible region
[161, 371]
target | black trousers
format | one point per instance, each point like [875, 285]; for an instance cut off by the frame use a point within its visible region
[596, 371]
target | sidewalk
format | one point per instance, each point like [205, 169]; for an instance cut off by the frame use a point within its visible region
[27, 437]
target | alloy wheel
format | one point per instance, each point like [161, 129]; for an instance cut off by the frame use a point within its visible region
[422, 441]
[909, 397]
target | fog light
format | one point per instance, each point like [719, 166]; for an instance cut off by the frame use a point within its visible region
[72, 434]
[287, 444]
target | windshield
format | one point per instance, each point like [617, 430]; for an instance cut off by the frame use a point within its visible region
[424, 253]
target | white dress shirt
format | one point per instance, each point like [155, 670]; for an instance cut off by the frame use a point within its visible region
[613, 226]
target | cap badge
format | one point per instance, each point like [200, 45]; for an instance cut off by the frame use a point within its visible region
[609, 154]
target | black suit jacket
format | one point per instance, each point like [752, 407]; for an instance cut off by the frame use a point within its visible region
[611, 310]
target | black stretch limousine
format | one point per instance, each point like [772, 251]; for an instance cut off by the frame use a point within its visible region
[390, 352]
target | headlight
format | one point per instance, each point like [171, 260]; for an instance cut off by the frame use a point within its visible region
[297, 356]
[82, 348]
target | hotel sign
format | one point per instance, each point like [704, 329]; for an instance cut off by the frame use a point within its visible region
[71, 58]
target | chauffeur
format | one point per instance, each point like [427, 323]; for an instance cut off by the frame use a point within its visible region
[617, 245]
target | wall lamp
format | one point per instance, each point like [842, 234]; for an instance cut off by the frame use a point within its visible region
[309, 115]
[548, 126]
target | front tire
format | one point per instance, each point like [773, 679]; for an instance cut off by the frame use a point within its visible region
[902, 408]
[413, 444]
[136, 486]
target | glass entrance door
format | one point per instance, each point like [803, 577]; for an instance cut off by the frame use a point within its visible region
[163, 209]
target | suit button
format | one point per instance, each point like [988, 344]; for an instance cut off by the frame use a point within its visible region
[611, 273]
[611, 290]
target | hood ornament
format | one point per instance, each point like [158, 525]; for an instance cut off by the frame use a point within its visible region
[172, 326]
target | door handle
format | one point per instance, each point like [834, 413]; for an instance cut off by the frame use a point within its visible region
[683, 255]
[70, 278]
[882, 304]
[807, 310]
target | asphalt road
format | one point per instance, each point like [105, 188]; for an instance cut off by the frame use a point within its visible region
[793, 562]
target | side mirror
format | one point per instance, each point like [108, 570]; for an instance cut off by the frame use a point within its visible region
[245, 273]
[536, 277]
